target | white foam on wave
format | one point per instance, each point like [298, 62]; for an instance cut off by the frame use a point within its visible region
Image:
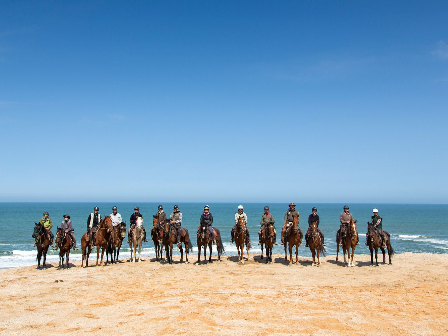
[410, 237]
[434, 241]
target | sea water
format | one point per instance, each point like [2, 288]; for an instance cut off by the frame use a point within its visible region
[413, 227]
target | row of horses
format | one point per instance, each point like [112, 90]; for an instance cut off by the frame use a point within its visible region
[109, 239]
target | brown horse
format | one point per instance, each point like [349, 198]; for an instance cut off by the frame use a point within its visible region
[240, 239]
[157, 238]
[293, 236]
[86, 248]
[64, 244]
[136, 239]
[204, 240]
[348, 241]
[170, 238]
[374, 242]
[268, 240]
[42, 243]
[315, 243]
[116, 239]
[102, 237]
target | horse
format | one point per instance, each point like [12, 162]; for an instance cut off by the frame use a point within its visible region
[170, 238]
[86, 248]
[42, 243]
[116, 239]
[240, 239]
[315, 243]
[374, 242]
[348, 241]
[136, 239]
[157, 237]
[204, 240]
[64, 244]
[268, 240]
[293, 237]
[102, 237]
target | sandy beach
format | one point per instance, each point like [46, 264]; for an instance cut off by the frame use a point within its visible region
[408, 298]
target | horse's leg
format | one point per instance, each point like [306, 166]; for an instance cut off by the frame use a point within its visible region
[286, 255]
[68, 254]
[384, 255]
[97, 254]
[262, 251]
[210, 246]
[376, 256]
[39, 255]
[290, 253]
[337, 250]
[199, 253]
[140, 248]
[371, 255]
[297, 253]
[102, 255]
[247, 251]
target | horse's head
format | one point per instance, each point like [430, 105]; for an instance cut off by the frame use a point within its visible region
[123, 229]
[155, 221]
[107, 224]
[139, 222]
[314, 226]
[295, 220]
[271, 231]
[352, 225]
[241, 222]
[37, 230]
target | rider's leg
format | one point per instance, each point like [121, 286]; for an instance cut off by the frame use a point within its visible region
[72, 235]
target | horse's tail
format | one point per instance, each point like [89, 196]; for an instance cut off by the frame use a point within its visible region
[190, 246]
[391, 251]
[323, 251]
[220, 246]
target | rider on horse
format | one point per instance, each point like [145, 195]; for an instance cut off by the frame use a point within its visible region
[266, 219]
[67, 227]
[377, 222]
[176, 221]
[48, 224]
[207, 221]
[115, 217]
[314, 217]
[93, 221]
[345, 218]
[133, 221]
[287, 222]
[240, 213]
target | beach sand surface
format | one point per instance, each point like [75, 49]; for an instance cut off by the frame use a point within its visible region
[409, 297]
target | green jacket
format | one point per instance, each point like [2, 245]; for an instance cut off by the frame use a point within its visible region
[47, 223]
[375, 220]
[265, 219]
[289, 214]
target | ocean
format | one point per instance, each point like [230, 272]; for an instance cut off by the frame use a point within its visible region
[413, 227]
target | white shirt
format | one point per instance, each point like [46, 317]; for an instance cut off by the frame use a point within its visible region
[116, 219]
[238, 215]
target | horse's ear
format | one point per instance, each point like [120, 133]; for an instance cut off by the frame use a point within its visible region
[36, 223]
[355, 221]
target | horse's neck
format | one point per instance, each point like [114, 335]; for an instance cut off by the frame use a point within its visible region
[139, 222]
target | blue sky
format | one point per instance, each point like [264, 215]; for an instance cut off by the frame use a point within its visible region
[251, 101]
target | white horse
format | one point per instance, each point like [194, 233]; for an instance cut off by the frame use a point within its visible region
[137, 239]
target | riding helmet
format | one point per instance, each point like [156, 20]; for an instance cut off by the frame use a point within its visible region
[175, 206]
[266, 207]
[160, 207]
[314, 208]
[206, 207]
[292, 204]
[375, 210]
[46, 213]
[114, 208]
[240, 207]
[346, 207]
[96, 209]
[66, 216]
[137, 208]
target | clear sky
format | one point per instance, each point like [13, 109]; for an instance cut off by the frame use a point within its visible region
[224, 101]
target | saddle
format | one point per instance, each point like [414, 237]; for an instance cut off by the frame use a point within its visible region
[183, 232]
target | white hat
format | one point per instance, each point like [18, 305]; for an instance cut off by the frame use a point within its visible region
[375, 210]
[240, 207]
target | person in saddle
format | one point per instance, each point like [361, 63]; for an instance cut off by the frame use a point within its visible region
[93, 221]
[266, 219]
[345, 218]
[176, 221]
[314, 217]
[133, 221]
[115, 217]
[48, 224]
[67, 227]
[377, 222]
[160, 215]
[207, 221]
[287, 222]
[238, 214]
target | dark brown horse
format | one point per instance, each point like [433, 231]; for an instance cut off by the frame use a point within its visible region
[170, 239]
[348, 242]
[240, 239]
[40, 235]
[374, 242]
[204, 239]
[116, 239]
[268, 240]
[157, 237]
[293, 237]
[315, 243]
[64, 244]
[102, 237]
